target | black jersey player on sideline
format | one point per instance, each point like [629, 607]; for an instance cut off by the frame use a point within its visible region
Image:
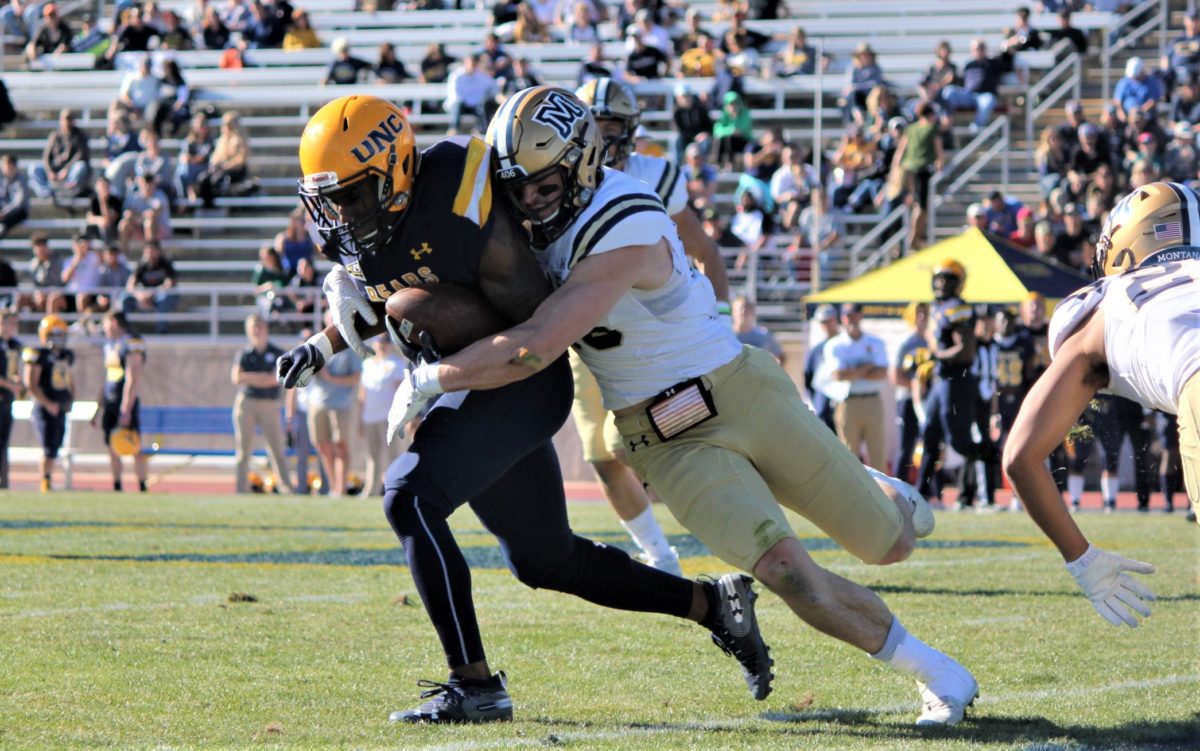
[50, 382]
[392, 218]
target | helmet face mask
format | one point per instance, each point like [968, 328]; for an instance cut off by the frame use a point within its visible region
[948, 279]
[359, 160]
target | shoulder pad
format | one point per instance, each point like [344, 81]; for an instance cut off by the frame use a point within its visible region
[30, 355]
[135, 344]
[959, 313]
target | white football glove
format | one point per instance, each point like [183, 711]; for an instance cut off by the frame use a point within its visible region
[418, 387]
[1112, 593]
[344, 301]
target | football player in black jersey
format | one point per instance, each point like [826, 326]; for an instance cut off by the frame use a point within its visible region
[120, 404]
[10, 384]
[392, 218]
[50, 382]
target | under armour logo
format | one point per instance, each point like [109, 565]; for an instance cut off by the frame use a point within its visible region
[424, 250]
[642, 441]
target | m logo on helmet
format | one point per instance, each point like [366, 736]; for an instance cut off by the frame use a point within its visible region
[560, 111]
[379, 138]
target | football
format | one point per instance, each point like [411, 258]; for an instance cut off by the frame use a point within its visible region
[453, 316]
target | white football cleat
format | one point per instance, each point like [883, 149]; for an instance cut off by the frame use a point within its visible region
[947, 694]
[668, 564]
[922, 516]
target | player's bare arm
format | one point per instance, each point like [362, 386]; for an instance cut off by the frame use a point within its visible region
[1052, 406]
[593, 288]
[701, 249]
[962, 351]
[509, 275]
[33, 377]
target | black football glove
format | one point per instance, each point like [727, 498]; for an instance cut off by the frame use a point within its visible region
[425, 352]
[296, 368]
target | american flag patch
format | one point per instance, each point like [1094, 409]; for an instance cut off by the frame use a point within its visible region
[677, 413]
[1168, 231]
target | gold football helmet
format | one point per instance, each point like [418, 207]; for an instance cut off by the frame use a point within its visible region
[53, 331]
[538, 132]
[126, 442]
[610, 99]
[949, 276]
[359, 158]
[1160, 221]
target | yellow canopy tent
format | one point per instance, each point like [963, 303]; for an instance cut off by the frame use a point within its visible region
[998, 272]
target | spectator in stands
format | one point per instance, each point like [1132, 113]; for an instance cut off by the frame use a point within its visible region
[139, 90]
[1186, 106]
[114, 275]
[104, 212]
[381, 376]
[1069, 241]
[1185, 51]
[747, 39]
[1022, 36]
[269, 278]
[345, 69]
[81, 272]
[53, 35]
[1002, 213]
[389, 68]
[581, 29]
[134, 36]
[173, 36]
[1023, 235]
[980, 82]
[745, 325]
[798, 58]
[752, 227]
[20, 18]
[652, 35]
[1181, 163]
[595, 66]
[194, 154]
[471, 90]
[152, 16]
[919, 154]
[173, 108]
[121, 148]
[643, 62]
[760, 159]
[14, 194]
[235, 15]
[149, 289]
[1053, 160]
[146, 213]
[1090, 153]
[856, 154]
[214, 34]
[257, 404]
[977, 217]
[1141, 173]
[1148, 152]
[1137, 91]
[1066, 31]
[1069, 131]
[331, 414]
[46, 272]
[519, 78]
[791, 185]
[149, 161]
[702, 60]
[304, 287]
[1113, 139]
[1044, 243]
[941, 76]
[301, 35]
[732, 130]
[294, 243]
[229, 164]
[494, 57]
[882, 106]
[863, 75]
[264, 30]
[529, 29]
[91, 40]
[65, 166]
[435, 66]
[818, 232]
[700, 176]
[767, 10]
[691, 118]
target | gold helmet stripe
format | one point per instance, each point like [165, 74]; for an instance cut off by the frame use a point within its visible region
[474, 198]
[506, 136]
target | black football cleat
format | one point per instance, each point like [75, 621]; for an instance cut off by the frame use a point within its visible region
[460, 700]
[737, 634]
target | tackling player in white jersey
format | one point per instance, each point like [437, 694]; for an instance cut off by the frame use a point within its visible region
[615, 108]
[1134, 332]
[717, 429]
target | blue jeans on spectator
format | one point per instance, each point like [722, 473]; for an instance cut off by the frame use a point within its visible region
[41, 185]
[25, 26]
[1049, 182]
[956, 98]
[164, 302]
[458, 108]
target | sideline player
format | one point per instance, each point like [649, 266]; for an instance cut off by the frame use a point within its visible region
[615, 107]
[1133, 332]
[51, 384]
[718, 429]
[11, 386]
[393, 218]
[120, 401]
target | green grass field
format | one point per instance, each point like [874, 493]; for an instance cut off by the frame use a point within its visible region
[118, 629]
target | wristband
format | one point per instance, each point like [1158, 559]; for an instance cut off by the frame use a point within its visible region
[425, 380]
[724, 308]
[322, 343]
[1077, 566]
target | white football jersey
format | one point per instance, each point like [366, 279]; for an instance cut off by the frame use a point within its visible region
[663, 177]
[1151, 329]
[651, 339]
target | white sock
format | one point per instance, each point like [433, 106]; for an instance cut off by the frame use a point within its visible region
[1109, 485]
[1075, 487]
[908, 654]
[645, 531]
